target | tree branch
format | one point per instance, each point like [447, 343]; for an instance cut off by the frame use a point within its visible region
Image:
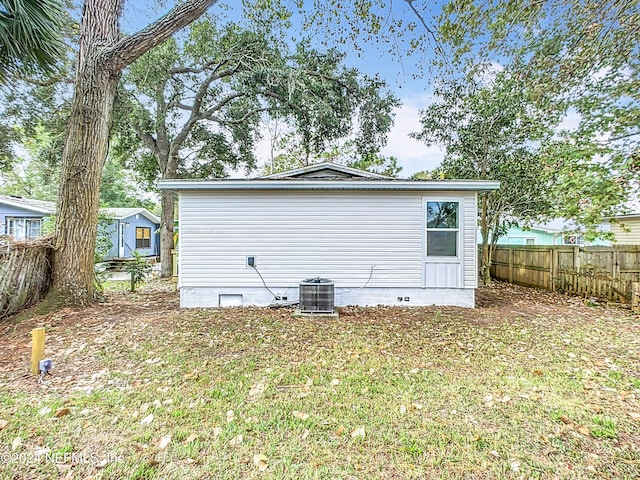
[429, 31]
[147, 138]
[175, 71]
[127, 50]
[221, 104]
[241, 120]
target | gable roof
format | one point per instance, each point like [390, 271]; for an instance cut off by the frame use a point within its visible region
[542, 228]
[328, 176]
[122, 213]
[39, 206]
[327, 171]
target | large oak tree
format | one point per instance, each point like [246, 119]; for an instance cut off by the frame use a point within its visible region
[102, 54]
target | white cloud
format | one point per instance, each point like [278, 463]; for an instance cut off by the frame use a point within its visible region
[571, 121]
[413, 155]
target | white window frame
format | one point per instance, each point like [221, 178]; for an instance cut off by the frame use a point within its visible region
[459, 231]
[24, 225]
[579, 240]
[458, 260]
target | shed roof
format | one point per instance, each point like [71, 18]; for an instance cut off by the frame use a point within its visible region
[122, 213]
[327, 171]
[626, 216]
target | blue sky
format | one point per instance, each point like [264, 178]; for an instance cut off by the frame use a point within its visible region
[371, 55]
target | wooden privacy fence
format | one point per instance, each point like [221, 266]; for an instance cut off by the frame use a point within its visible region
[25, 274]
[608, 273]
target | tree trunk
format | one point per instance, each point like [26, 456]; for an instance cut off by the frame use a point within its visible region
[485, 260]
[84, 156]
[102, 55]
[167, 201]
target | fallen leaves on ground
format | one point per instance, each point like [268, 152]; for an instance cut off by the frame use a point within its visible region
[497, 390]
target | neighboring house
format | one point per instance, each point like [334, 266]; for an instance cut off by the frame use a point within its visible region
[629, 232]
[130, 229]
[21, 218]
[556, 232]
[380, 240]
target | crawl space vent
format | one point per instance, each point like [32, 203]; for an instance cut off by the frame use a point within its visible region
[316, 295]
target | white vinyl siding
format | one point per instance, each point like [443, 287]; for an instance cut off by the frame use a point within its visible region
[469, 241]
[355, 238]
[350, 237]
[632, 237]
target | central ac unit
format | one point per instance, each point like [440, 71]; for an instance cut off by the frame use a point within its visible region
[316, 295]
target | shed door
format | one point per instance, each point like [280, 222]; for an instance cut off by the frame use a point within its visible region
[121, 237]
[443, 242]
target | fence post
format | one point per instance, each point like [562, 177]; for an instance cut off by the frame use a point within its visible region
[37, 349]
[553, 269]
[576, 259]
[635, 297]
[511, 265]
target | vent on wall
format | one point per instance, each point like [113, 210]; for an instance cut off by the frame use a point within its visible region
[316, 295]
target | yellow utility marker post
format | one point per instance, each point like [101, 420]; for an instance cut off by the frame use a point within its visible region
[37, 349]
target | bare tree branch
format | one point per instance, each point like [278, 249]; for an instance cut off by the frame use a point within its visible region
[127, 50]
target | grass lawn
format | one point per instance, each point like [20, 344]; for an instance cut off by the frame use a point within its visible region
[528, 385]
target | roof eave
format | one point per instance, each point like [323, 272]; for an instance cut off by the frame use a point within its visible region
[30, 208]
[142, 211]
[398, 185]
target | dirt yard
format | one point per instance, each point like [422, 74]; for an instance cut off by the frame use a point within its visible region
[529, 384]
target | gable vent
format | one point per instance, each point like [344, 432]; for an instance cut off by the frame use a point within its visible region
[316, 295]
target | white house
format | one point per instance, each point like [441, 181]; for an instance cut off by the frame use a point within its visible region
[382, 241]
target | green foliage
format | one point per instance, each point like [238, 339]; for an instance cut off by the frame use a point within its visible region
[48, 225]
[8, 137]
[195, 106]
[585, 186]
[295, 158]
[38, 177]
[138, 268]
[31, 39]
[32, 133]
[377, 164]
[104, 244]
[578, 58]
[103, 241]
[119, 188]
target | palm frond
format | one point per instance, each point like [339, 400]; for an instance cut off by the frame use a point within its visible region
[31, 36]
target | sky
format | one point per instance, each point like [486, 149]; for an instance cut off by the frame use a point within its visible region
[383, 55]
